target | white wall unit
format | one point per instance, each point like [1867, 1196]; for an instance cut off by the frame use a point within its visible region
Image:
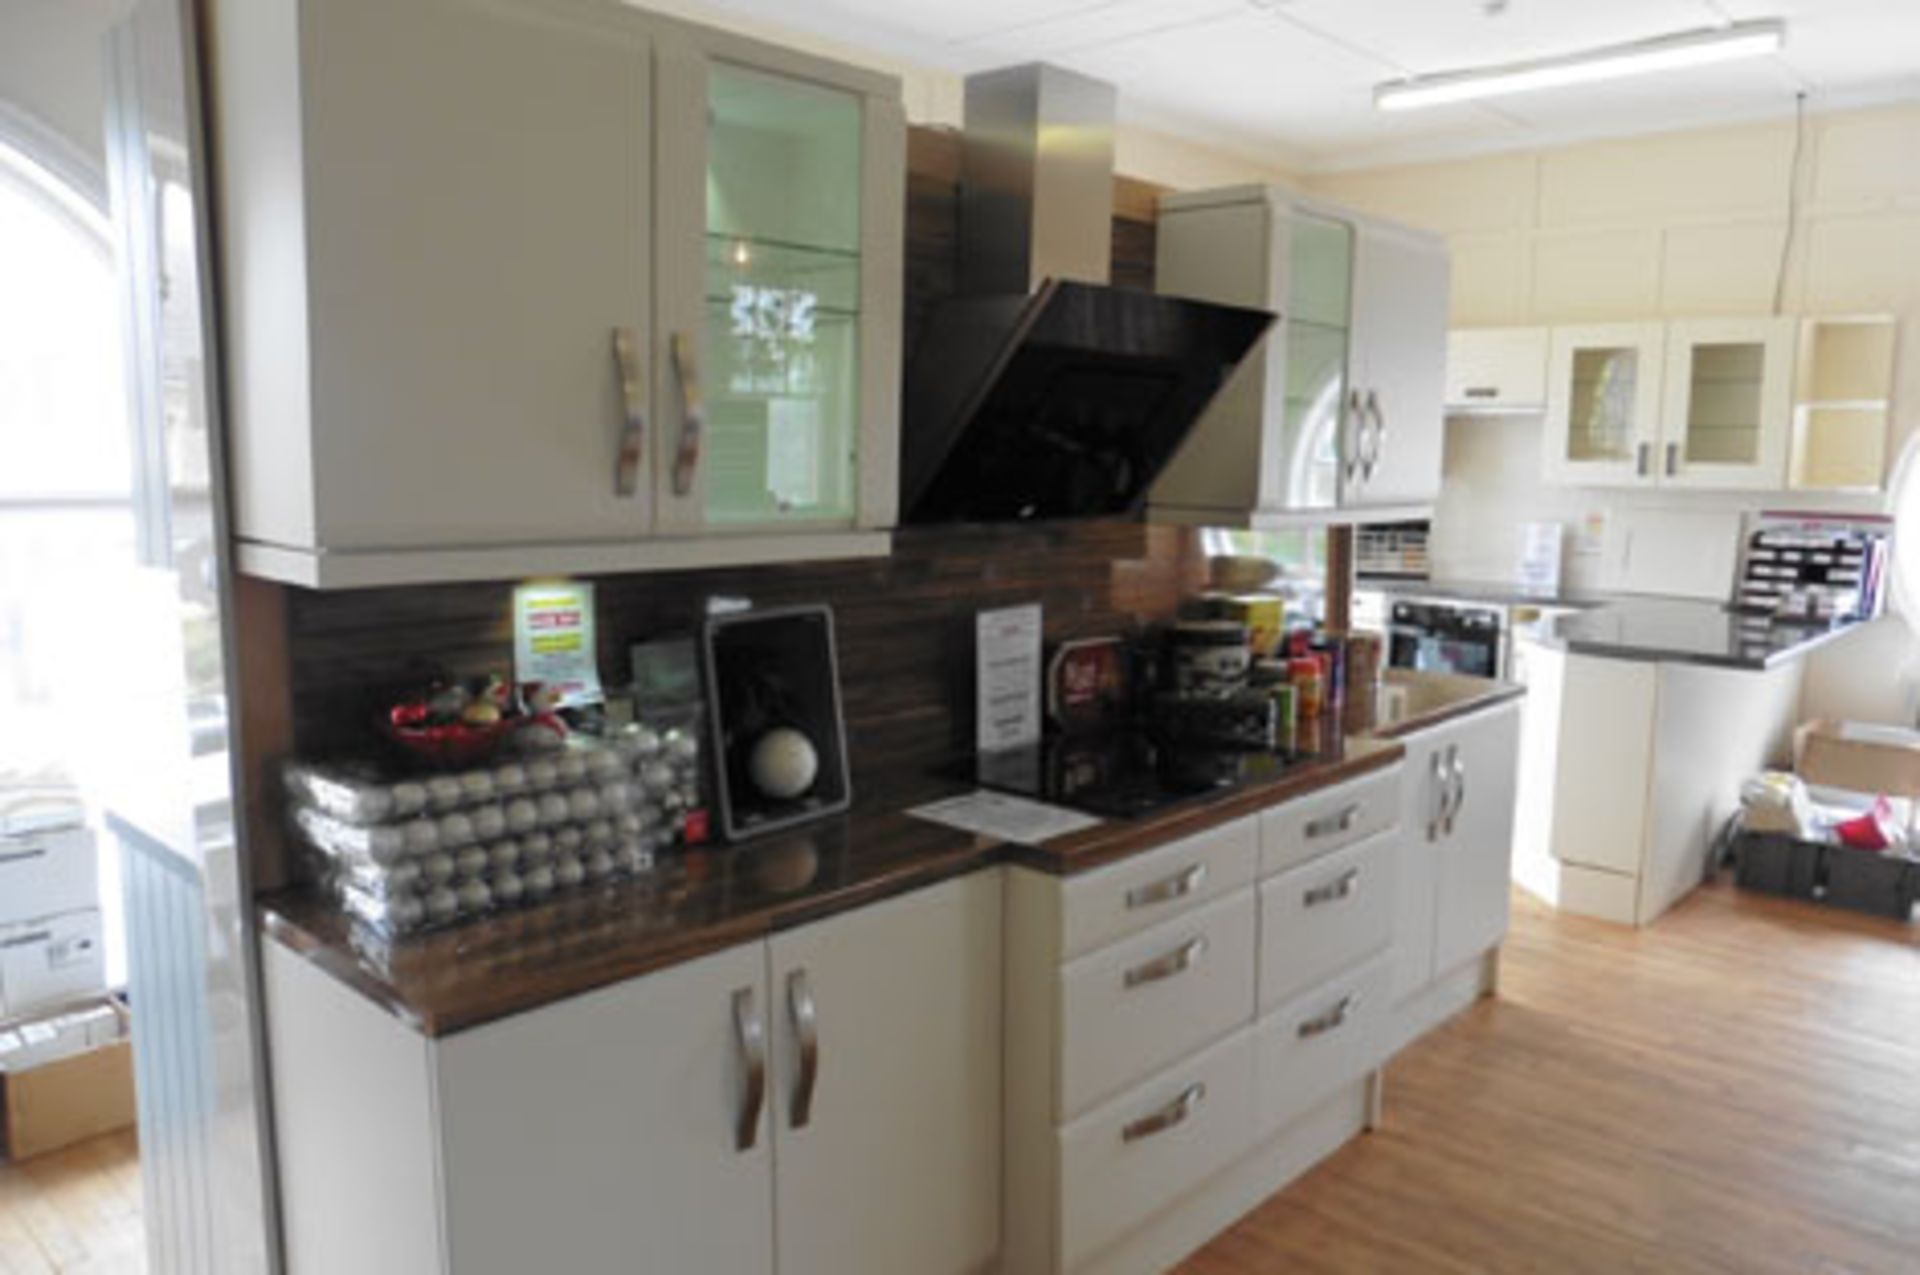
[623, 1125]
[1497, 369]
[1337, 413]
[458, 237]
[1603, 404]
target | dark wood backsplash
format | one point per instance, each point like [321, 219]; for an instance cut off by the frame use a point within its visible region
[326, 660]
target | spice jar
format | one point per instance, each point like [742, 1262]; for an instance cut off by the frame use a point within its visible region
[1309, 686]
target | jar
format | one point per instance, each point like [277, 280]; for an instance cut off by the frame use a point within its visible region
[1309, 687]
[1209, 657]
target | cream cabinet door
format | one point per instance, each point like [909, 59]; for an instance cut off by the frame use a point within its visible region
[887, 1086]
[1475, 865]
[1400, 283]
[1603, 405]
[615, 1131]
[1727, 413]
[478, 220]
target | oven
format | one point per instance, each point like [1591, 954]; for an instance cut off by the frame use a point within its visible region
[1447, 637]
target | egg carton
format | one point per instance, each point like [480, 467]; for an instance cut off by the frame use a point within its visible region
[424, 835]
[365, 795]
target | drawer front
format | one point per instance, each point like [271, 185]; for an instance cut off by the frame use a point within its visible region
[1325, 915]
[1132, 1008]
[1321, 1040]
[1149, 888]
[1144, 1150]
[1309, 826]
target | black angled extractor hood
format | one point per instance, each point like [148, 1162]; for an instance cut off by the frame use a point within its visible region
[1042, 392]
[1063, 404]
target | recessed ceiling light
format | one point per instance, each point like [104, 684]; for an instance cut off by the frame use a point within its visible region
[1665, 53]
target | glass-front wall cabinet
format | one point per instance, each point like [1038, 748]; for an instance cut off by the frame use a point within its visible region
[1319, 336]
[1728, 403]
[1603, 403]
[782, 298]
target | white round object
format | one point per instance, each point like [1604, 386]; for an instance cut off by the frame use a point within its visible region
[489, 822]
[504, 854]
[599, 865]
[604, 763]
[568, 840]
[632, 859]
[508, 888]
[569, 872]
[409, 797]
[456, 830]
[406, 912]
[438, 868]
[523, 814]
[510, 780]
[682, 746]
[422, 836]
[442, 904]
[656, 777]
[600, 833]
[471, 862]
[475, 896]
[443, 792]
[554, 809]
[616, 794]
[646, 742]
[783, 764]
[571, 768]
[538, 881]
[541, 774]
[476, 786]
[583, 804]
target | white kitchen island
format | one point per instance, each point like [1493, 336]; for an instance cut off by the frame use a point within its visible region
[1642, 720]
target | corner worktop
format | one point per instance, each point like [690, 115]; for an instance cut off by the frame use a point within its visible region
[1686, 631]
[702, 900]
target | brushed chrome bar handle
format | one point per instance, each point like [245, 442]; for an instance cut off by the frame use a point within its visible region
[1339, 821]
[1437, 803]
[1177, 886]
[1371, 461]
[1178, 961]
[693, 413]
[752, 1035]
[1673, 459]
[1321, 1024]
[1642, 454]
[1456, 789]
[1481, 391]
[1341, 887]
[1355, 432]
[1174, 1113]
[1459, 790]
[806, 1031]
[633, 433]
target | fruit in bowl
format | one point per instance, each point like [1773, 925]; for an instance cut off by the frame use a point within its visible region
[460, 723]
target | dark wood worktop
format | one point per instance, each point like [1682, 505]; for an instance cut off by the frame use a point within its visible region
[703, 900]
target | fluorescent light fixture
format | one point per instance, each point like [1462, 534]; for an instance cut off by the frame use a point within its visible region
[1664, 53]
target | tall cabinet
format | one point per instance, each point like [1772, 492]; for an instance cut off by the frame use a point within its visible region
[1339, 409]
[535, 285]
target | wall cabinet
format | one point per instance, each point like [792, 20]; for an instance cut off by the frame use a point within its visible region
[1497, 369]
[1338, 412]
[1698, 403]
[819, 1103]
[545, 285]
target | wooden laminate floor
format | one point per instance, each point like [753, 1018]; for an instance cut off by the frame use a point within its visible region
[1736, 1088]
[74, 1211]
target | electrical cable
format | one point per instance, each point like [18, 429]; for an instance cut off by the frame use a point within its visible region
[1793, 199]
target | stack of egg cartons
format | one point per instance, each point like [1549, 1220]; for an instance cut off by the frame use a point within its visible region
[402, 854]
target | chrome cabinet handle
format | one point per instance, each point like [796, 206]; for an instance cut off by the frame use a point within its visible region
[1178, 961]
[693, 411]
[1481, 391]
[806, 1030]
[1459, 788]
[1673, 459]
[1340, 888]
[1437, 800]
[633, 434]
[1355, 428]
[1340, 821]
[1371, 460]
[752, 1036]
[1641, 454]
[1321, 1024]
[1174, 1113]
[1177, 886]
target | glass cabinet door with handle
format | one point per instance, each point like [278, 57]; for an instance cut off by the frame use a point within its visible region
[779, 261]
[1603, 404]
[1728, 414]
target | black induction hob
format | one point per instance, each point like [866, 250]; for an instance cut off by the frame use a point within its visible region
[1121, 775]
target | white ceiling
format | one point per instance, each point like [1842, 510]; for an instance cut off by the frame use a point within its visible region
[1293, 79]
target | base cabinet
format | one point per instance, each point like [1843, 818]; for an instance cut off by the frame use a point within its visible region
[815, 1104]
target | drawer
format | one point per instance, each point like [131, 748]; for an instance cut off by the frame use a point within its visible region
[1321, 1040]
[1127, 1159]
[1318, 822]
[1327, 914]
[1131, 1008]
[1099, 907]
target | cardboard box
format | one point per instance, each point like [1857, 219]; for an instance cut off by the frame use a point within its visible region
[68, 1099]
[51, 960]
[48, 873]
[1859, 756]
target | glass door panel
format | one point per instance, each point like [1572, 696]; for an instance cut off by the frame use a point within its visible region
[1604, 395]
[782, 298]
[1723, 404]
[1318, 317]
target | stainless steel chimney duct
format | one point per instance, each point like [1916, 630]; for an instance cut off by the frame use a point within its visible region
[1036, 180]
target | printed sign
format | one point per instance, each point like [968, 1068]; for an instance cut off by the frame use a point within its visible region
[553, 639]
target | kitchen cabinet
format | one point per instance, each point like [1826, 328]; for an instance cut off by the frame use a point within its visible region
[1337, 414]
[1843, 403]
[526, 286]
[1695, 403]
[819, 1102]
[1456, 858]
[1497, 369]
